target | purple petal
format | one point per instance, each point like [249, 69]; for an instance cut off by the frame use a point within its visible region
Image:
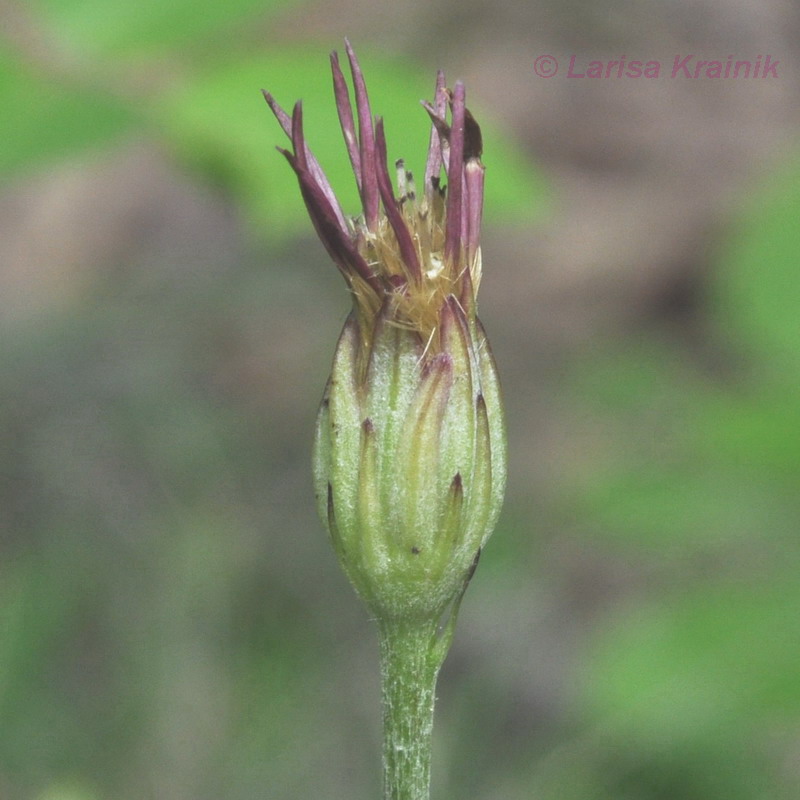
[316, 170]
[339, 245]
[369, 181]
[298, 140]
[345, 111]
[464, 213]
[433, 165]
[473, 182]
[408, 251]
[452, 243]
[443, 129]
[283, 118]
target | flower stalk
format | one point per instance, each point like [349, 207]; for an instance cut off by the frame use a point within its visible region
[409, 668]
[410, 452]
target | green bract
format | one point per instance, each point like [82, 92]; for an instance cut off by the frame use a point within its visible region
[409, 460]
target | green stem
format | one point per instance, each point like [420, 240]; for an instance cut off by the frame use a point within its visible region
[411, 657]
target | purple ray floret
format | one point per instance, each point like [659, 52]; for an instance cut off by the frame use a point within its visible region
[396, 220]
[369, 179]
[320, 177]
[416, 251]
[455, 176]
[433, 165]
[345, 111]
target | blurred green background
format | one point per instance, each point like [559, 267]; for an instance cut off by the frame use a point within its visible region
[173, 624]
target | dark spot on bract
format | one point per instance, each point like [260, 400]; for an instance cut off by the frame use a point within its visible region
[415, 550]
[473, 141]
[474, 565]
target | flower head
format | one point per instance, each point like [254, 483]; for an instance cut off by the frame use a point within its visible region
[419, 248]
[410, 448]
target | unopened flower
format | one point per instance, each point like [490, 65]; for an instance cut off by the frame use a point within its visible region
[410, 454]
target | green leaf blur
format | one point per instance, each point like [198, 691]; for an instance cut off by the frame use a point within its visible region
[102, 28]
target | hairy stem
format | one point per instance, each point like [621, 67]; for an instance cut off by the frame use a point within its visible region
[410, 660]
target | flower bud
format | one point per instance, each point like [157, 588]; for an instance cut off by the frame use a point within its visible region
[409, 455]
